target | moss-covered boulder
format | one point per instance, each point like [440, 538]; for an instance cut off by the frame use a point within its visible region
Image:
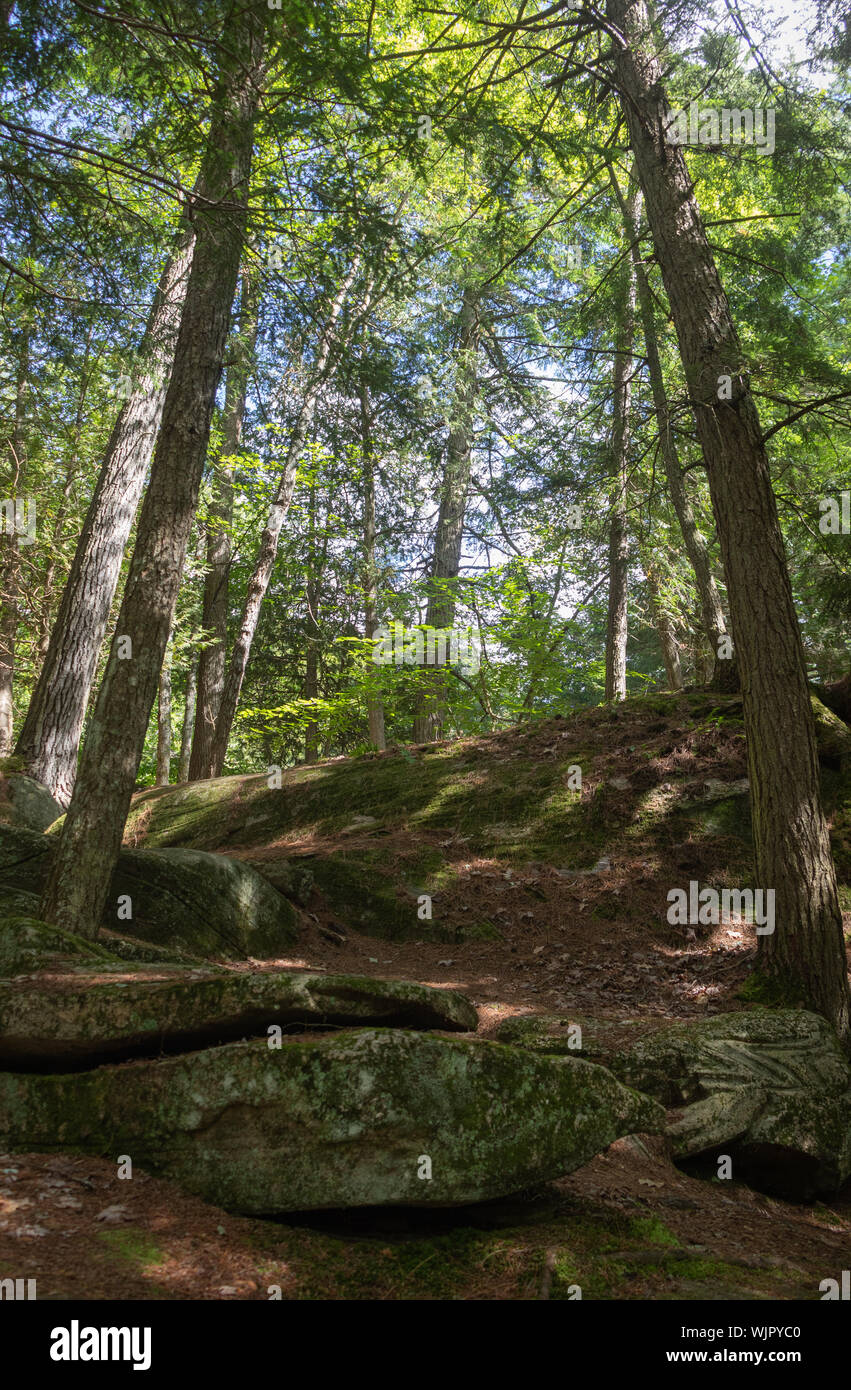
[206, 904]
[73, 1023]
[832, 734]
[367, 1118]
[28, 945]
[769, 1087]
[23, 801]
[772, 1086]
[570, 1035]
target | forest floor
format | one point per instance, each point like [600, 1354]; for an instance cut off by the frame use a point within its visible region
[592, 943]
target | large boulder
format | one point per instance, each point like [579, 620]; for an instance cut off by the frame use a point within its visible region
[367, 1118]
[772, 1088]
[71, 1023]
[207, 904]
[769, 1087]
[25, 802]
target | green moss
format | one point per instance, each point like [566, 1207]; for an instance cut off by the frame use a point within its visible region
[650, 1228]
[479, 931]
[134, 1246]
[771, 992]
[27, 945]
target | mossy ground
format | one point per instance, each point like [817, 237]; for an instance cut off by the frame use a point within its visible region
[362, 839]
[600, 1231]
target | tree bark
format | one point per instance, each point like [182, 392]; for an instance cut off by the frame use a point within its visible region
[665, 630]
[188, 719]
[259, 582]
[164, 724]
[714, 622]
[10, 572]
[211, 669]
[449, 534]
[618, 618]
[311, 659]
[78, 884]
[50, 735]
[375, 707]
[805, 955]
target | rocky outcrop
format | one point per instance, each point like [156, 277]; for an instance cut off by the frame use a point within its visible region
[771, 1088]
[24, 802]
[366, 1118]
[205, 904]
[73, 1023]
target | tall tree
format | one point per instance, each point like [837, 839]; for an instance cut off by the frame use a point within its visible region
[77, 888]
[264, 564]
[449, 532]
[375, 708]
[664, 627]
[10, 563]
[188, 724]
[211, 665]
[805, 955]
[164, 722]
[714, 622]
[50, 736]
[618, 618]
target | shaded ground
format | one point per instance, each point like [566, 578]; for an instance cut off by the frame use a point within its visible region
[628, 1225]
[545, 900]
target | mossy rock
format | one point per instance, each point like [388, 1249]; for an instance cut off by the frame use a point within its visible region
[514, 805]
[28, 945]
[773, 1086]
[24, 850]
[83, 1023]
[205, 904]
[25, 802]
[498, 797]
[367, 1118]
[571, 1035]
[769, 1087]
[832, 735]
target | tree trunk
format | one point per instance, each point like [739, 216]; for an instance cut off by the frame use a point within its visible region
[188, 719]
[259, 582]
[211, 670]
[311, 692]
[78, 884]
[617, 621]
[44, 618]
[665, 629]
[446, 561]
[805, 954]
[311, 661]
[375, 707]
[50, 736]
[164, 724]
[10, 572]
[714, 622]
